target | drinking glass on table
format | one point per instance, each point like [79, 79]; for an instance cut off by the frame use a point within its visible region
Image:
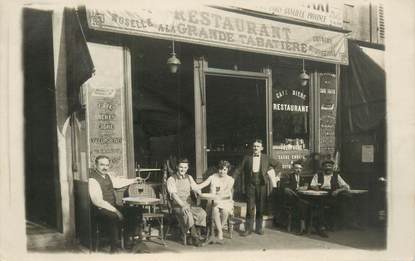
[217, 190]
[140, 189]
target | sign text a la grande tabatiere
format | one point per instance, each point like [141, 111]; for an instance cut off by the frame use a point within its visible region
[213, 27]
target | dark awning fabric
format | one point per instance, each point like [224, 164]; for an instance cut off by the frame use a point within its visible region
[363, 93]
[79, 62]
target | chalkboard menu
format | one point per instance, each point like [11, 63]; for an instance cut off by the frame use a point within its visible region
[328, 108]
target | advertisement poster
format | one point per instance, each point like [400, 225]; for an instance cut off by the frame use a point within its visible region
[106, 119]
[328, 109]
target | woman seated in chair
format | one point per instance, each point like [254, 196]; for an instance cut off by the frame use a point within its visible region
[222, 185]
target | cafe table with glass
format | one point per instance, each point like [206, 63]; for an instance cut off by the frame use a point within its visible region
[210, 237]
[142, 195]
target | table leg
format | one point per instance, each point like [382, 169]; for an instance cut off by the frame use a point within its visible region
[210, 237]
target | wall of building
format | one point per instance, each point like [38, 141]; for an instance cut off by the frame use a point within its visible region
[365, 20]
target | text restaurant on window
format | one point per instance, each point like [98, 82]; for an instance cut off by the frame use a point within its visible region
[202, 82]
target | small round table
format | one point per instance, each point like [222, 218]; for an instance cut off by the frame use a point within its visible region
[142, 202]
[211, 196]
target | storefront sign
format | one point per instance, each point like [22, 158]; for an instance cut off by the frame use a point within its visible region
[328, 113]
[213, 27]
[287, 157]
[328, 13]
[290, 100]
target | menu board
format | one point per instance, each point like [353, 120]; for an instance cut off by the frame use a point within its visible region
[328, 109]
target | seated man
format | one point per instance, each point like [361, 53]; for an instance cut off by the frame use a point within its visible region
[291, 197]
[101, 187]
[339, 198]
[179, 187]
[222, 185]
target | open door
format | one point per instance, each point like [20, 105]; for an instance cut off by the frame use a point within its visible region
[232, 108]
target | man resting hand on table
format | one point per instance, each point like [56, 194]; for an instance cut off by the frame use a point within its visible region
[340, 198]
[101, 187]
[179, 187]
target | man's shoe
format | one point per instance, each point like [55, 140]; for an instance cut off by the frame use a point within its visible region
[140, 247]
[197, 242]
[246, 233]
[302, 232]
[115, 250]
[322, 233]
[354, 226]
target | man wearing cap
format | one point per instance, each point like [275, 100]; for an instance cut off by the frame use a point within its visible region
[339, 195]
[295, 184]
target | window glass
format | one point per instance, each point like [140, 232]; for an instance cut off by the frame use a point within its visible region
[290, 114]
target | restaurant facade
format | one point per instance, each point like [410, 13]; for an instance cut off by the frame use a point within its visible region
[153, 83]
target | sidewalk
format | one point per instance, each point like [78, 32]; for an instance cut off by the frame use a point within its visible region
[281, 240]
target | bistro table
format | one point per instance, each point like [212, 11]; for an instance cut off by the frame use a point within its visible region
[211, 234]
[315, 197]
[144, 202]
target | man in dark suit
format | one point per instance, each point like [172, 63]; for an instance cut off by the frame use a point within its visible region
[294, 184]
[256, 185]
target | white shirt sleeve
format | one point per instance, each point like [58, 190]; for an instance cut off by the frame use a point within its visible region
[171, 185]
[95, 193]
[342, 183]
[314, 181]
[120, 182]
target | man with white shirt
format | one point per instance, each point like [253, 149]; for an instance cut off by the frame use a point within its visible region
[340, 198]
[256, 185]
[101, 187]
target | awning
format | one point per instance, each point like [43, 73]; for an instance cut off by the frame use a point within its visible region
[363, 93]
[210, 26]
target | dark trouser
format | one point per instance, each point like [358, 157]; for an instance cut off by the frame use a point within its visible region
[256, 195]
[112, 223]
[302, 206]
[342, 209]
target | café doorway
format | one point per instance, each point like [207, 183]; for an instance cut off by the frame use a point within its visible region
[232, 108]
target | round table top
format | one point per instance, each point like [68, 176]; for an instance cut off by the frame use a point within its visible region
[208, 196]
[211, 196]
[141, 200]
[313, 192]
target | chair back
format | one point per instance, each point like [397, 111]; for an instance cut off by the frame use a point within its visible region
[141, 190]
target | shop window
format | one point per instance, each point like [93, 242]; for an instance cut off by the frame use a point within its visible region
[290, 115]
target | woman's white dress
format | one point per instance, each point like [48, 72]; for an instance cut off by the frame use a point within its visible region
[225, 185]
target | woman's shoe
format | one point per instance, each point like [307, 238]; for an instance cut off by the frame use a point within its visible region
[220, 241]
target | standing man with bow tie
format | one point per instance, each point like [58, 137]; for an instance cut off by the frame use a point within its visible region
[256, 185]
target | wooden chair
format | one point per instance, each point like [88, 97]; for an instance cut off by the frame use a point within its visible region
[151, 213]
[98, 227]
